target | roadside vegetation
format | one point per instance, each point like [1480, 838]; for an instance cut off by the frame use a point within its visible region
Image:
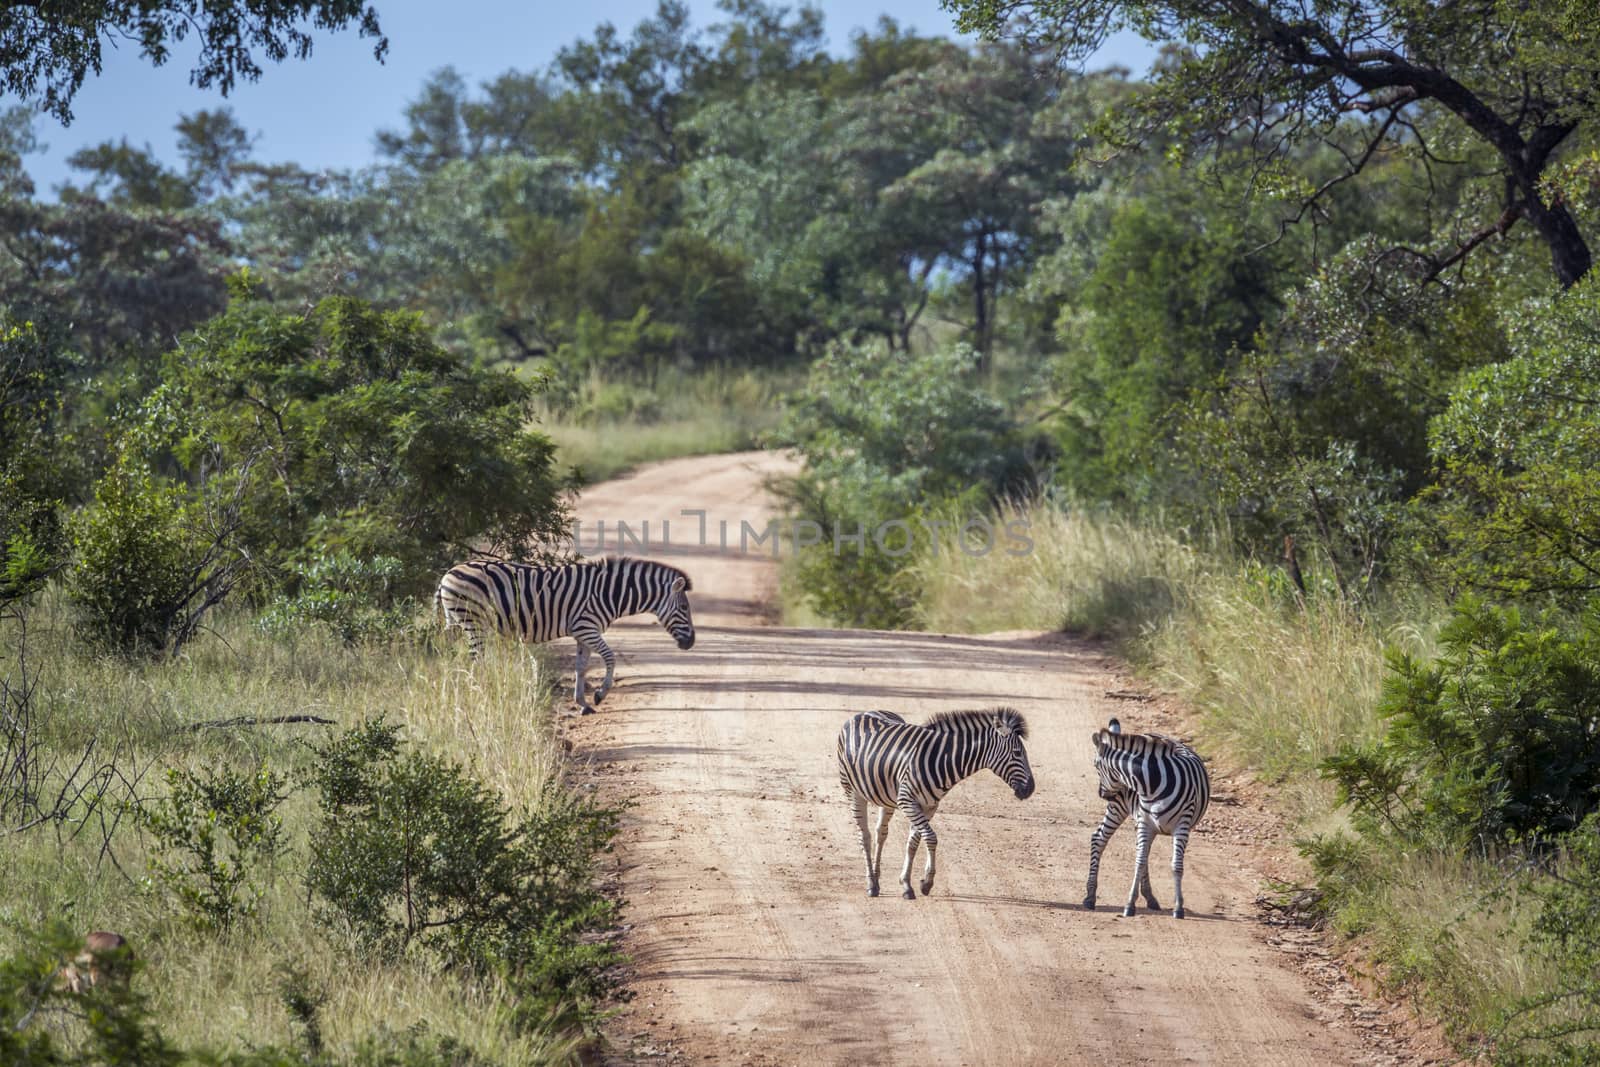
[1276, 366]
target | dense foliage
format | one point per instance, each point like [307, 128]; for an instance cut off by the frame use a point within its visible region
[1314, 294]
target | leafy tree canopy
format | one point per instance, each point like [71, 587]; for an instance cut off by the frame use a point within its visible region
[47, 47]
[1517, 81]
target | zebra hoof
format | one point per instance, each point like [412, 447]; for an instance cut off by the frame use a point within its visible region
[872, 890]
[908, 894]
[1127, 913]
[927, 887]
[586, 709]
[1177, 913]
[1088, 903]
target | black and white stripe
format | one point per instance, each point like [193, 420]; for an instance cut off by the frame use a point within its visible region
[889, 763]
[577, 600]
[1163, 783]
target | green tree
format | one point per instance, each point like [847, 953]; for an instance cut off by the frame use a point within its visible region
[1169, 296]
[1516, 510]
[362, 434]
[892, 443]
[47, 47]
[1515, 80]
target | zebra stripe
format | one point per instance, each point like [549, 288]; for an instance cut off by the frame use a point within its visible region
[888, 763]
[1163, 783]
[577, 600]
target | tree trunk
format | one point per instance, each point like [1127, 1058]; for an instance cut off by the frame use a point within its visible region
[980, 289]
[1568, 250]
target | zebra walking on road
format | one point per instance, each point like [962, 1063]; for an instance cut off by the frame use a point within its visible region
[577, 600]
[1163, 783]
[889, 763]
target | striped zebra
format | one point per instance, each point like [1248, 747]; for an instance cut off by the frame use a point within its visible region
[1163, 783]
[577, 600]
[889, 763]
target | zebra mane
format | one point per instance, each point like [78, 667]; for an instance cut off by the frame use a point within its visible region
[677, 572]
[946, 721]
[1151, 742]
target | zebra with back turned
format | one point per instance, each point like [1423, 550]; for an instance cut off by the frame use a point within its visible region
[1163, 783]
[889, 763]
[577, 600]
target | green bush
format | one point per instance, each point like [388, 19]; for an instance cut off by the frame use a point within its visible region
[359, 432]
[351, 596]
[1517, 508]
[43, 1024]
[1561, 1025]
[1494, 741]
[135, 561]
[413, 850]
[890, 438]
[217, 836]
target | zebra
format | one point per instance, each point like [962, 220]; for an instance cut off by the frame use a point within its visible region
[579, 600]
[889, 763]
[1163, 783]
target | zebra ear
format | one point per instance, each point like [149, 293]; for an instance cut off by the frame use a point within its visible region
[1098, 739]
[678, 585]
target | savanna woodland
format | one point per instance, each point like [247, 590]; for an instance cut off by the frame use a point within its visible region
[1284, 358]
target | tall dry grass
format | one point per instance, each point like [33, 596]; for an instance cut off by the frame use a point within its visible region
[1282, 679]
[610, 427]
[223, 991]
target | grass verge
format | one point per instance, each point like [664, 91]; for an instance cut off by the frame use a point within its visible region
[1282, 680]
[224, 990]
[608, 428]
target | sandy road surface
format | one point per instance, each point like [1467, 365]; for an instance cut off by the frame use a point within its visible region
[753, 938]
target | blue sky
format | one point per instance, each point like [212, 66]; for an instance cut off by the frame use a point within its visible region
[323, 112]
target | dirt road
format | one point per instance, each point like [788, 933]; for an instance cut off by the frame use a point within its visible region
[752, 935]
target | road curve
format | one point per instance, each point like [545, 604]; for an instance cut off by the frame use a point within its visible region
[752, 936]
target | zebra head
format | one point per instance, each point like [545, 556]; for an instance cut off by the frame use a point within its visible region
[673, 613]
[1007, 756]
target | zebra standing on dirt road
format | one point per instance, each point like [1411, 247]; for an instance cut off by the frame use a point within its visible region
[889, 763]
[1164, 784]
[577, 600]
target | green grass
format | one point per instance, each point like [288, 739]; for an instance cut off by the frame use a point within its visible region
[221, 990]
[609, 428]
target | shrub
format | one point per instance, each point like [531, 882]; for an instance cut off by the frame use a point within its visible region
[351, 596]
[1497, 740]
[413, 850]
[215, 832]
[1561, 1025]
[890, 437]
[146, 568]
[116, 1028]
[365, 435]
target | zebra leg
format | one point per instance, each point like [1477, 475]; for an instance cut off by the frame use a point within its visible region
[860, 804]
[920, 831]
[598, 644]
[1180, 842]
[462, 619]
[582, 684]
[1144, 881]
[930, 839]
[884, 815]
[1114, 817]
[1144, 868]
[1141, 858]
